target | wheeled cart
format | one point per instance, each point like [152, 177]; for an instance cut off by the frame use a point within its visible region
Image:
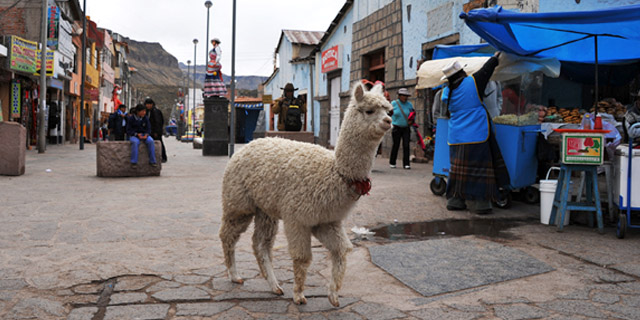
[629, 164]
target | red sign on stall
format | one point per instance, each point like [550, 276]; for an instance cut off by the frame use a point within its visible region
[331, 59]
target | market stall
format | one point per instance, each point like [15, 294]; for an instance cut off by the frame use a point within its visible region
[597, 49]
[516, 130]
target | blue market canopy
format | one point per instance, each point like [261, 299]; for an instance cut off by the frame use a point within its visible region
[443, 51]
[567, 36]
[250, 106]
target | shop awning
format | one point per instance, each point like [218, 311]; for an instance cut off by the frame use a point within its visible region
[567, 36]
[473, 57]
[250, 106]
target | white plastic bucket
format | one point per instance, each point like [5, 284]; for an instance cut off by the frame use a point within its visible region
[547, 193]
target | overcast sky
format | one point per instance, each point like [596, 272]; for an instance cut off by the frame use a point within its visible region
[175, 23]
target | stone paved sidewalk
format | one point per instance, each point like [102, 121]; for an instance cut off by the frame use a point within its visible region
[75, 246]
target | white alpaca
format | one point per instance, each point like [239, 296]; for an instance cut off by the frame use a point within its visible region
[310, 188]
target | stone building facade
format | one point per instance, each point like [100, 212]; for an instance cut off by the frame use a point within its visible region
[378, 54]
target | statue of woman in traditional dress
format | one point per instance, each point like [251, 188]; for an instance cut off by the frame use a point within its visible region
[213, 83]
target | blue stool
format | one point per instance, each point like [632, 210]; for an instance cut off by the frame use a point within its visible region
[561, 199]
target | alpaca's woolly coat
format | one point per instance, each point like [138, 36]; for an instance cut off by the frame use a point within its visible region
[287, 180]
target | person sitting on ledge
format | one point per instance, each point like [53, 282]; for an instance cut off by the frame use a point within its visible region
[138, 129]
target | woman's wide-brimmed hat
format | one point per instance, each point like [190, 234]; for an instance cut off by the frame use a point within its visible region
[216, 40]
[451, 69]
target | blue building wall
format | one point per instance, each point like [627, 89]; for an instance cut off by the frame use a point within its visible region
[342, 35]
[296, 73]
[339, 36]
[415, 31]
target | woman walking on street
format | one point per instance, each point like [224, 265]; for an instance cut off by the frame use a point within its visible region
[401, 128]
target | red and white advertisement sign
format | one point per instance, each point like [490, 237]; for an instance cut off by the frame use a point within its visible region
[332, 59]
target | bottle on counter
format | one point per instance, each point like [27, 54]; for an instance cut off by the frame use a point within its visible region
[597, 125]
[586, 121]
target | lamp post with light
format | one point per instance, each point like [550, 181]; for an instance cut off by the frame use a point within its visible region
[184, 101]
[207, 4]
[193, 113]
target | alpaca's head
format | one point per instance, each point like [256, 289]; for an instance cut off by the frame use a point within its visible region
[368, 112]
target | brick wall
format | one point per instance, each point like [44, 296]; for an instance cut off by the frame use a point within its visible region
[382, 30]
[23, 20]
[12, 21]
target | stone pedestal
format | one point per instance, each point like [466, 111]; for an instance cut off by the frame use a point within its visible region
[180, 131]
[216, 127]
[301, 136]
[13, 141]
[113, 159]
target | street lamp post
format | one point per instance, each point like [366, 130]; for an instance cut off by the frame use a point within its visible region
[184, 99]
[233, 83]
[193, 113]
[42, 133]
[84, 71]
[207, 4]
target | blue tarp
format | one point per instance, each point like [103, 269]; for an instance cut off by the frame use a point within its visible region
[567, 36]
[443, 51]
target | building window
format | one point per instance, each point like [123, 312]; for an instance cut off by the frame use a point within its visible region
[75, 60]
[373, 68]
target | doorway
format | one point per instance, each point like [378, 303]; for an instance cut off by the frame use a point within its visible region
[334, 111]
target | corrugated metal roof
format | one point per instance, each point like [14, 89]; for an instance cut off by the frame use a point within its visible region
[304, 37]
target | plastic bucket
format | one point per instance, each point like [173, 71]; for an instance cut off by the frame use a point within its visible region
[547, 193]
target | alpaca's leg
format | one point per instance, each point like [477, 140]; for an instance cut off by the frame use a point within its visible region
[334, 238]
[264, 235]
[299, 241]
[232, 227]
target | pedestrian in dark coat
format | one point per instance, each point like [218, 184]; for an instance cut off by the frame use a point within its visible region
[118, 124]
[157, 124]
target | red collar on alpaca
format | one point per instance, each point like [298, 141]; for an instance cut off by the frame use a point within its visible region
[361, 187]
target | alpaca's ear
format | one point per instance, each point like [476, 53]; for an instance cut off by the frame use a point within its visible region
[358, 92]
[377, 89]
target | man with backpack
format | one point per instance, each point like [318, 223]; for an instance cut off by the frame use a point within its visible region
[117, 124]
[290, 110]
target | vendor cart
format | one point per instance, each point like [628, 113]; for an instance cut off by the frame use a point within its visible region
[518, 147]
[441, 162]
[516, 133]
[626, 204]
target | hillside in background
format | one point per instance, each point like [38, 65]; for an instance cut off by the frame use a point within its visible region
[159, 75]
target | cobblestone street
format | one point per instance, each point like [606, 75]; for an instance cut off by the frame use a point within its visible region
[76, 246]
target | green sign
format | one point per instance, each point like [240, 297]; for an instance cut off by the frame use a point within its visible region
[582, 148]
[23, 55]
